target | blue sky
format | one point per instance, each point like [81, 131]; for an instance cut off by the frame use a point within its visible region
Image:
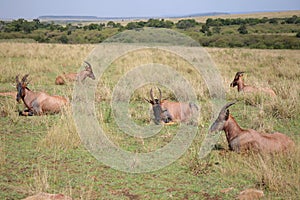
[30, 9]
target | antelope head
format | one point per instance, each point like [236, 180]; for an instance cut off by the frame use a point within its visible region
[156, 106]
[237, 77]
[89, 69]
[218, 125]
[21, 86]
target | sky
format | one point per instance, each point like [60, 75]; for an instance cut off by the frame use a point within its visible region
[31, 9]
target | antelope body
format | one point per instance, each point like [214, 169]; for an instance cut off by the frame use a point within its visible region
[168, 111]
[81, 76]
[248, 139]
[38, 103]
[238, 81]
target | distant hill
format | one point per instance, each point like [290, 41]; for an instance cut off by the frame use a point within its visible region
[94, 18]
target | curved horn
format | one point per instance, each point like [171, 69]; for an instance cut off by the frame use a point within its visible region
[151, 95]
[25, 78]
[159, 94]
[239, 73]
[86, 62]
[17, 79]
[222, 113]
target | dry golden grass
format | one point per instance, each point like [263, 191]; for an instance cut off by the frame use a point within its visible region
[280, 14]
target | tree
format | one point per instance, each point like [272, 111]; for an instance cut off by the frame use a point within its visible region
[204, 28]
[243, 29]
[111, 24]
[63, 39]
[186, 23]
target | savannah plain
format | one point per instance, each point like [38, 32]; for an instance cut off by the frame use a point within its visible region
[45, 154]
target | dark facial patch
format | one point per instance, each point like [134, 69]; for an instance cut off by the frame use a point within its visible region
[20, 90]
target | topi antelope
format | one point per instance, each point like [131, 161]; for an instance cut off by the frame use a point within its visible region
[38, 103]
[81, 76]
[248, 139]
[238, 81]
[167, 111]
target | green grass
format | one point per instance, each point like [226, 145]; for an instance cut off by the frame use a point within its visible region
[44, 153]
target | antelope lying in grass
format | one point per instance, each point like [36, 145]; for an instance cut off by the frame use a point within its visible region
[37, 103]
[248, 139]
[167, 111]
[238, 81]
[81, 76]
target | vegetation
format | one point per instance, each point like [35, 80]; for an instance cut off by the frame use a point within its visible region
[261, 33]
[44, 153]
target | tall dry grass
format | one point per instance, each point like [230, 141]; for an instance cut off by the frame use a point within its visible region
[277, 69]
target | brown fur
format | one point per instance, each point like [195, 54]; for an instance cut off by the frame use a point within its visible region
[171, 111]
[248, 139]
[238, 81]
[180, 112]
[59, 80]
[38, 102]
[71, 77]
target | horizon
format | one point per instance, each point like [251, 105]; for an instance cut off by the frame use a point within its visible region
[31, 9]
[88, 17]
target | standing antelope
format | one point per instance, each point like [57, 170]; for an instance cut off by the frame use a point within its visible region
[167, 111]
[38, 103]
[238, 81]
[81, 76]
[248, 139]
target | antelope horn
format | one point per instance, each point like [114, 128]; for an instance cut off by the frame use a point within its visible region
[223, 110]
[159, 94]
[25, 78]
[151, 95]
[17, 79]
[86, 62]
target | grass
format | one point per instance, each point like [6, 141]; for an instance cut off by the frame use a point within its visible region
[45, 154]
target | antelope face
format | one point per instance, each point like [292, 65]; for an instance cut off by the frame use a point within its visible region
[237, 77]
[20, 92]
[218, 125]
[159, 113]
[89, 69]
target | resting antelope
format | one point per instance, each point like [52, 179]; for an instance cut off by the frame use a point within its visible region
[167, 111]
[38, 103]
[238, 81]
[81, 76]
[248, 139]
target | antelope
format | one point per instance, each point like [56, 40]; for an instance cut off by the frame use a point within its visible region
[238, 81]
[168, 111]
[37, 103]
[81, 76]
[248, 139]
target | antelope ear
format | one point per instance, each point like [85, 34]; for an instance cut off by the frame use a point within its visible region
[149, 101]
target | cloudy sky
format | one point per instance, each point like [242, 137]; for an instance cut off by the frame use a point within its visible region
[29, 9]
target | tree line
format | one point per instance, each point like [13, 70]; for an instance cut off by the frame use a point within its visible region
[239, 32]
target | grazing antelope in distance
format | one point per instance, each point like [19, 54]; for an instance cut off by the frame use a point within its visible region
[167, 111]
[81, 76]
[238, 81]
[248, 139]
[38, 103]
